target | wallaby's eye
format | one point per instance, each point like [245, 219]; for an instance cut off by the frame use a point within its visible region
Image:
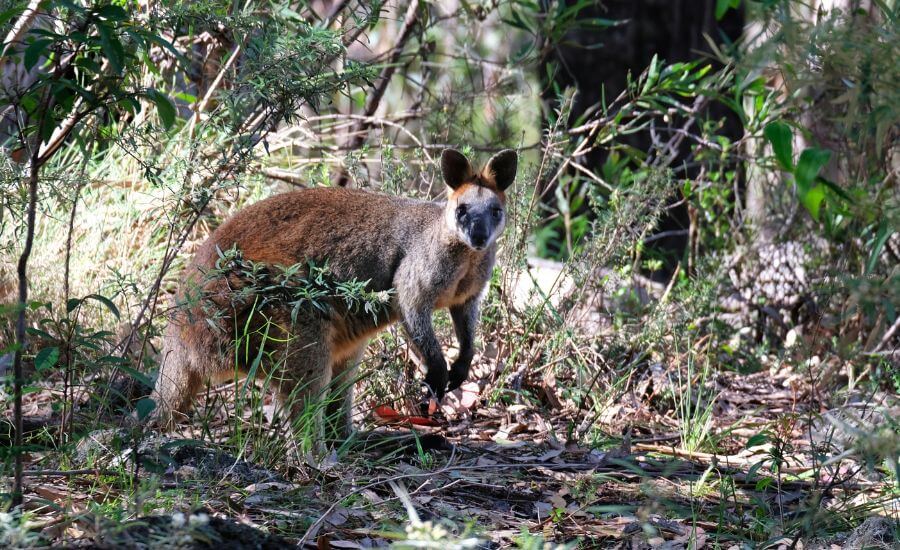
[497, 213]
[461, 211]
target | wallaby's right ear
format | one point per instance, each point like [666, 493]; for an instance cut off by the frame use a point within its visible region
[455, 168]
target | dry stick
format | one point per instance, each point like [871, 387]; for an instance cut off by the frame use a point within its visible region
[520, 245]
[69, 473]
[170, 254]
[223, 171]
[887, 336]
[550, 465]
[253, 120]
[68, 367]
[63, 130]
[335, 10]
[374, 100]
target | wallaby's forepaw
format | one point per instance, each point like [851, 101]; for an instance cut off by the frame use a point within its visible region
[436, 384]
[459, 372]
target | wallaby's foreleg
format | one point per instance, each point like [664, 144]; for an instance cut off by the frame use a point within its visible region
[465, 319]
[417, 324]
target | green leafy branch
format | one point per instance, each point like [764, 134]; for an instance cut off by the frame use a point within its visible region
[824, 199]
[304, 287]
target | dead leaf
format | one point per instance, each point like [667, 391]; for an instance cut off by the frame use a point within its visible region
[549, 455]
[387, 415]
[338, 516]
[345, 544]
[558, 501]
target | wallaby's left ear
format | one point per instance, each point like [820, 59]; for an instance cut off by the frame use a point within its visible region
[455, 168]
[502, 168]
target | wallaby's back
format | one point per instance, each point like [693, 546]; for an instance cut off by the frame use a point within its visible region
[359, 234]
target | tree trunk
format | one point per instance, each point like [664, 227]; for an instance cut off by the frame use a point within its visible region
[18, 381]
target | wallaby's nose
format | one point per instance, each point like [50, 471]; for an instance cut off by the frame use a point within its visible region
[478, 233]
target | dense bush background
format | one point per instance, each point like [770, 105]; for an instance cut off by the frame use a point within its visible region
[699, 286]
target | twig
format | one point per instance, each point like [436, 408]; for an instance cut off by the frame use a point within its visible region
[22, 271]
[887, 336]
[235, 53]
[22, 26]
[285, 175]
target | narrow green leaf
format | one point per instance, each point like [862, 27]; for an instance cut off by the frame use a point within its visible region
[652, 74]
[111, 47]
[48, 125]
[886, 9]
[881, 237]
[35, 51]
[7, 15]
[811, 162]
[164, 107]
[160, 41]
[144, 407]
[71, 304]
[251, 372]
[835, 188]
[722, 7]
[779, 136]
[46, 358]
[756, 440]
[112, 12]
[137, 375]
[39, 333]
[105, 301]
[812, 200]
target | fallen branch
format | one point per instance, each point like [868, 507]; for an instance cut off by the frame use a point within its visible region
[69, 473]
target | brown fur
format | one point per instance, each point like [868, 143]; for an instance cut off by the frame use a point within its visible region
[413, 247]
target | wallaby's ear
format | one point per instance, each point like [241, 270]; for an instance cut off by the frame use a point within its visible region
[501, 169]
[455, 168]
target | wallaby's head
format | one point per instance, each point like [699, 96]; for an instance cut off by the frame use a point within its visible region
[476, 204]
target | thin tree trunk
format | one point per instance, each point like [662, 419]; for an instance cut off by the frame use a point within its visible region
[20, 329]
[358, 134]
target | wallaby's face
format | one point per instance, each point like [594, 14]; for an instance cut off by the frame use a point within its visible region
[476, 204]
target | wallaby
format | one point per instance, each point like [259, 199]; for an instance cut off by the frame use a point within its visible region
[429, 255]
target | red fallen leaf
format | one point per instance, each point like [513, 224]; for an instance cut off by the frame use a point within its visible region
[388, 414]
[421, 421]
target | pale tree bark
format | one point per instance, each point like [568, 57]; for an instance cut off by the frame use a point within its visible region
[763, 185]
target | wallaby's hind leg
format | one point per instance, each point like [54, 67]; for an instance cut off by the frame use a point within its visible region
[301, 373]
[344, 373]
[178, 380]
